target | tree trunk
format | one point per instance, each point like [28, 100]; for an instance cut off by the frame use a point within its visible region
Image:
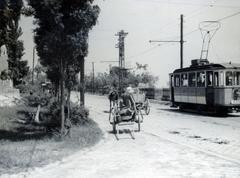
[68, 103]
[62, 98]
[56, 91]
[36, 118]
[82, 82]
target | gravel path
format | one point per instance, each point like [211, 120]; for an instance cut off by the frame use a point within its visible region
[171, 144]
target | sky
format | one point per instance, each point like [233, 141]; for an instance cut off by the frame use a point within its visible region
[146, 20]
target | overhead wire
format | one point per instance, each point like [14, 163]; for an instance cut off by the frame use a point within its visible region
[175, 21]
[191, 14]
[186, 34]
[219, 20]
[143, 52]
[192, 4]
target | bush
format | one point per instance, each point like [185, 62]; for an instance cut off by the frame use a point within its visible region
[28, 88]
[38, 98]
[50, 115]
[79, 115]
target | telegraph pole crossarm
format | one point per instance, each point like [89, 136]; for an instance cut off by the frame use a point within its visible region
[181, 41]
[163, 41]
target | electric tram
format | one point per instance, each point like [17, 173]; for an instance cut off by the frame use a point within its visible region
[207, 86]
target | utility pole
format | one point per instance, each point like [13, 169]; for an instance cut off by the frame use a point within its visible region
[181, 42]
[33, 64]
[121, 45]
[173, 41]
[110, 65]
[93, 78]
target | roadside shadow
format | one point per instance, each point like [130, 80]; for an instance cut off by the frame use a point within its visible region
[178, 111]
[196, 113]
[106, 112]
[21, 136]
[121, 132]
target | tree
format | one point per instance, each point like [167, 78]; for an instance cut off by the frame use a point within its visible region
[61, 39]
[11, 32]
[3, 22]
[104, 81]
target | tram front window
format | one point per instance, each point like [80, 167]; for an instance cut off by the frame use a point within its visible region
[229, 78]
[236, 78]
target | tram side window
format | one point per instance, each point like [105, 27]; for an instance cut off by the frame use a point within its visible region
[184, 80]
[209, 78]
[216, 79]
[201, 79]
[229, 78]
[192, 80]
[177, 80]
[221, 79]
[237, 78]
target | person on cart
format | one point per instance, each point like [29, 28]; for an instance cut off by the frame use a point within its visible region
[127, 105]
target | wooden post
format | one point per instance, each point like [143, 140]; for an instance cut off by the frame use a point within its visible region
[62, 98]
[82, 82]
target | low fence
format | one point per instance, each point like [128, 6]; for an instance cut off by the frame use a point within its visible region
[157, 93]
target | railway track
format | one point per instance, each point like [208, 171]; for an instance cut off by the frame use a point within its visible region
[208, 152]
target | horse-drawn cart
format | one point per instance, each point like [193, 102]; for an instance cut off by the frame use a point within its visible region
[141, 101]
[122, 115]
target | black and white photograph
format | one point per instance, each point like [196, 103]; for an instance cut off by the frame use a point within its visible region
[119, 89]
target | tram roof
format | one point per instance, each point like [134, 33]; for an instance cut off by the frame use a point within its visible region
[210, 66]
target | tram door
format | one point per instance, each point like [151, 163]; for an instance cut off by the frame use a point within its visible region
[171, 88]
[209, 89]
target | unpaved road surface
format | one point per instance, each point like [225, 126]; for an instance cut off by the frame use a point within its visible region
[170, 144]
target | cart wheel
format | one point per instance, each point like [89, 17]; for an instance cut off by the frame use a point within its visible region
[114, 127]
[147, 107]
[110, 116]
[114, 123]
[139, 123]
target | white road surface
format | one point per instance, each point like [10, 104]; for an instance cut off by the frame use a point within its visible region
[171, 144]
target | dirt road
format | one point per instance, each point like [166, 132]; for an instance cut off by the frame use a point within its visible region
[171, 144]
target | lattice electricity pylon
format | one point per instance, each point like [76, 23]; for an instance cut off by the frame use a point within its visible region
[208, 30]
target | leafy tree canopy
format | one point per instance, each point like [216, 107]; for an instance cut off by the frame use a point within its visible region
[62, 33]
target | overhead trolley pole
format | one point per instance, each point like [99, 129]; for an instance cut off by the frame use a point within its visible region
[181, 41]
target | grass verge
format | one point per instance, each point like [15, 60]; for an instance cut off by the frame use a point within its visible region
[21, 150]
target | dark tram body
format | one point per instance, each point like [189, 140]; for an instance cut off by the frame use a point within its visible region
[206, 86]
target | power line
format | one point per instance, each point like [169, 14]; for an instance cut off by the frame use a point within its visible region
[143, 52]
[193, 4]
[175, 21]
[186, 34]
[229, 16]
[219, 20]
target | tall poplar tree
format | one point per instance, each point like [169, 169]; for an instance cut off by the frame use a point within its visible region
[11, 32]
[62, 38]
[3, 22]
